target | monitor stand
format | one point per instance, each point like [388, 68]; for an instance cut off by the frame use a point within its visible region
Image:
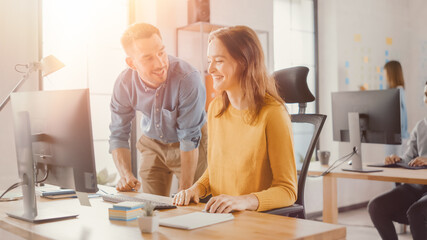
[355, 142]
[27, 171]
[30, 212]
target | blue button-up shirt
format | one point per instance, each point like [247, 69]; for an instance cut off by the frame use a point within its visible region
[173, 112]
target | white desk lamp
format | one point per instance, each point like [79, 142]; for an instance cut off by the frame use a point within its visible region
[46, 65]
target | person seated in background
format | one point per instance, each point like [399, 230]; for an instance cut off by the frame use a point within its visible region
[251, 162]
[406, 203]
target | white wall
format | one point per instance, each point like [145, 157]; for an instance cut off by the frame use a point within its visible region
[416, 71]
[257, 14]
[19, 44]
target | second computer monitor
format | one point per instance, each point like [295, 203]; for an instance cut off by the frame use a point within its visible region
[379, 114]
[366, 116]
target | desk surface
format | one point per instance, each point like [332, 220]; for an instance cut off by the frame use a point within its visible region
[330, 191]
[93, 223]
[388, 174]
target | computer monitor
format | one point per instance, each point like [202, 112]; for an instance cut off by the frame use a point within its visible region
[366, 116]
[53, 138]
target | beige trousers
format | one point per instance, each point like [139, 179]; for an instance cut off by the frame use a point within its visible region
[161, 160]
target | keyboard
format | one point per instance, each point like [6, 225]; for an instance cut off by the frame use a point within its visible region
[116, 198]
[396, 165]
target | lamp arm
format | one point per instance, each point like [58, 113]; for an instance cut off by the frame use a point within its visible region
[3, 103]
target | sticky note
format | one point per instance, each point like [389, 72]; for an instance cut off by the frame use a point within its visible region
[365, 59]
[381, 77]
[347, 64]
[366, 86]
[378, 69]
[381, 86]
[347, 81]
[389, 41]
[386, 53]
[357, 37]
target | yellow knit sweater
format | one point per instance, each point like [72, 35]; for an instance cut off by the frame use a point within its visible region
[257, 158]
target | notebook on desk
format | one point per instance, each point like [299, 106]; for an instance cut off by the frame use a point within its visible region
[396, 165]
[195, 220]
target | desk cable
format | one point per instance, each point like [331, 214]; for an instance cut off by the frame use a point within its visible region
[339, 161]
[15, 185]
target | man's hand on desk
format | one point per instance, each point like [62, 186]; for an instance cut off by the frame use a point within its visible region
[128, 183]
[418, 162]
[392, 159]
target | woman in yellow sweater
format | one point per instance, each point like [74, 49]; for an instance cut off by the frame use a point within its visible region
[251, 162]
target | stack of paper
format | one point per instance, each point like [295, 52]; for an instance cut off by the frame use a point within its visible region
[50, 191]
[125, 211]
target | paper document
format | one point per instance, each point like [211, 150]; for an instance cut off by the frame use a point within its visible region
[195, 220]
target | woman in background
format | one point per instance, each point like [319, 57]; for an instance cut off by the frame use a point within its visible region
[251, 163]
[394, 77]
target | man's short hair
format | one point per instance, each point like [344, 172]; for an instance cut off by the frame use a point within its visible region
[138, 31]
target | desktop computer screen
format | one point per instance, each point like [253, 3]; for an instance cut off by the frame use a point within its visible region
[379, 113]
[366, 116]
[53, 138]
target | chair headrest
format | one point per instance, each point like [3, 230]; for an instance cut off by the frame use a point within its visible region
[292, 85]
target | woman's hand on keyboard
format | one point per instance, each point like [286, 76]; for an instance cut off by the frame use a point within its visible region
[184, 197]
[128, 183]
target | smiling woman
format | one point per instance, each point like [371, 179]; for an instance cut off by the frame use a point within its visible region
[251, 162]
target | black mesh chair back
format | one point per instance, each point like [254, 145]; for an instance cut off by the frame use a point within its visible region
[292, 86]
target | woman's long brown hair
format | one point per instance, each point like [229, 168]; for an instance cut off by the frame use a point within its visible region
[245, 48]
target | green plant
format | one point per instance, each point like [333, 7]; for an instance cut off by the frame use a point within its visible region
[149, 209]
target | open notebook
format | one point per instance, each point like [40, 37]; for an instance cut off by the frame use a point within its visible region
[195, 220]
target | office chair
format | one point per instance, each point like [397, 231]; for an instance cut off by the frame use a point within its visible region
[292, 87]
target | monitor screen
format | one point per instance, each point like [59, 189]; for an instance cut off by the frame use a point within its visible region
[61, 136]
[379, 113]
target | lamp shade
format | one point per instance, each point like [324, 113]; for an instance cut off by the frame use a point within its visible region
[49, 65]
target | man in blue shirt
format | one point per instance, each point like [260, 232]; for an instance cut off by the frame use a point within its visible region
[171, 97]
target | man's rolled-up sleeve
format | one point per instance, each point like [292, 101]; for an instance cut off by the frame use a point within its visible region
[122, 114]
[191, 111]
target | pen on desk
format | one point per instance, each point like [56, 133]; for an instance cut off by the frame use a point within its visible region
[104, 191]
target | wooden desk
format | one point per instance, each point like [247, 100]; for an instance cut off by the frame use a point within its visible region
[330, 203]
[93, 223]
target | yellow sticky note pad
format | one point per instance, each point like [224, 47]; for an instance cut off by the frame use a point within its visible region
[365, 59]
[378, 69]
[389, 41]
[357, 37]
